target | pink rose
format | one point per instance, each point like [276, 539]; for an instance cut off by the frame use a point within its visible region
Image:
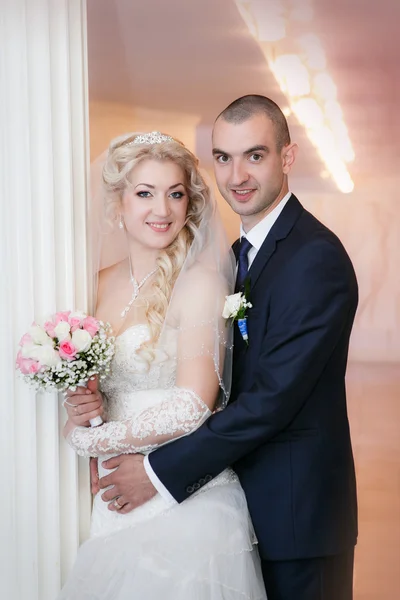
[91, 325]
[75, 323]
[61, 316]
[49, 329]
[27, 366]
[67, 350]
[26, 339]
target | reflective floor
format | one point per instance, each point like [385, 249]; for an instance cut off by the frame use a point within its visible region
[374, 412]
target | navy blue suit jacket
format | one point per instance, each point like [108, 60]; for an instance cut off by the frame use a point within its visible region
[285, 430]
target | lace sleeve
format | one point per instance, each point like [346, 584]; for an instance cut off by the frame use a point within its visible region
[181, 412]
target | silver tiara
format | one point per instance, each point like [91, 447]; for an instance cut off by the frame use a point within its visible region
[155, 137]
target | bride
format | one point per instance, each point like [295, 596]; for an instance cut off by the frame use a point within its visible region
[163, 294]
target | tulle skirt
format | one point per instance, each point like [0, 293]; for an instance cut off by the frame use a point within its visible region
[202, 549]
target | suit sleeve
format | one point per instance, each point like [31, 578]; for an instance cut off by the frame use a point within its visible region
[312, 301]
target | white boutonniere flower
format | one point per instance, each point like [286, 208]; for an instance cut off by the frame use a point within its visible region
[235, 309]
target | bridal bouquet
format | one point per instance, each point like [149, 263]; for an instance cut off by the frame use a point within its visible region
[65, 351]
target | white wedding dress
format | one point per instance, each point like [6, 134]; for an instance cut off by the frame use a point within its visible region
[202, 549]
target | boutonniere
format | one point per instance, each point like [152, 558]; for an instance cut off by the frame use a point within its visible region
[235, 308]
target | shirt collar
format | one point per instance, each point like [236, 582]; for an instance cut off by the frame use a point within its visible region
[259, 232]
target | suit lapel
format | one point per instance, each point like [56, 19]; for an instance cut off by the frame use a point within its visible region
[281, 228]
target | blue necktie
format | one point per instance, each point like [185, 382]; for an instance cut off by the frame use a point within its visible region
[243, 263]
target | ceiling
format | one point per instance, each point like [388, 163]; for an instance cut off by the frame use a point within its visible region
[196, 57]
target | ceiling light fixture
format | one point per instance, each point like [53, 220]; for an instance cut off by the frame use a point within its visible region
[303, 78]
[301, 10]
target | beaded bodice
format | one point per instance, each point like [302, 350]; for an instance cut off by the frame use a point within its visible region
[130, 374]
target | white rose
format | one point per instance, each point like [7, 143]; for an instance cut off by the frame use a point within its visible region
[42, 320]
[232, 305]
[62, 331]
[78, 314]
[27, 349]
[82, 340]
[46, 355]
[39, 336]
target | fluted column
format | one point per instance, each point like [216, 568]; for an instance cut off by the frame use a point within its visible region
[43, 265]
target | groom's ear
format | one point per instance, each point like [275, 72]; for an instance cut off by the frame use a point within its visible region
[289, 154]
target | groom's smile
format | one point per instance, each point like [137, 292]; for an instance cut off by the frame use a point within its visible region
[243, 195]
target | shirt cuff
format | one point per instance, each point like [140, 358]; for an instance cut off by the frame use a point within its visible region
[160, 487]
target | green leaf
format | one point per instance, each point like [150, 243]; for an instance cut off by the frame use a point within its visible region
[247, 288]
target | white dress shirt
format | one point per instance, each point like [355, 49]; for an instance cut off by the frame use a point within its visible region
[256, 237]
[259, 232]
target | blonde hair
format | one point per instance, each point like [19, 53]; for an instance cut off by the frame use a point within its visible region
[123, 156]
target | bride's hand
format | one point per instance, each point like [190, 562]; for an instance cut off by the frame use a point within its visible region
[94, 475]
[68, 428]
[84, 404]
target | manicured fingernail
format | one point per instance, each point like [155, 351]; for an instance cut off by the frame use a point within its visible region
[88, 392]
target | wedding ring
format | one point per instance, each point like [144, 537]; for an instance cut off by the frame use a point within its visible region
[117, 505]
[69, 404]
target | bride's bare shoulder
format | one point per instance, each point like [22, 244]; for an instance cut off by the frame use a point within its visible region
[200, 285]
[110, 275]
[200, 277]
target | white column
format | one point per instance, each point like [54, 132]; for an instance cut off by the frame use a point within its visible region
[43, 158]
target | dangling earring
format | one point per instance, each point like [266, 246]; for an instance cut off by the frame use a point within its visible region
[121, 222]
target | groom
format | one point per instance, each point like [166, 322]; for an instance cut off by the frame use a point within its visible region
[285, 431]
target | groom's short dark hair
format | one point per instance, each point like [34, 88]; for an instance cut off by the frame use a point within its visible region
[248, 106]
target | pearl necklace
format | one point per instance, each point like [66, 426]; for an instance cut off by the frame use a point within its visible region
[136, 289]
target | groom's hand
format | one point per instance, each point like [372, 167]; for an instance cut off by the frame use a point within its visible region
[131, 486]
